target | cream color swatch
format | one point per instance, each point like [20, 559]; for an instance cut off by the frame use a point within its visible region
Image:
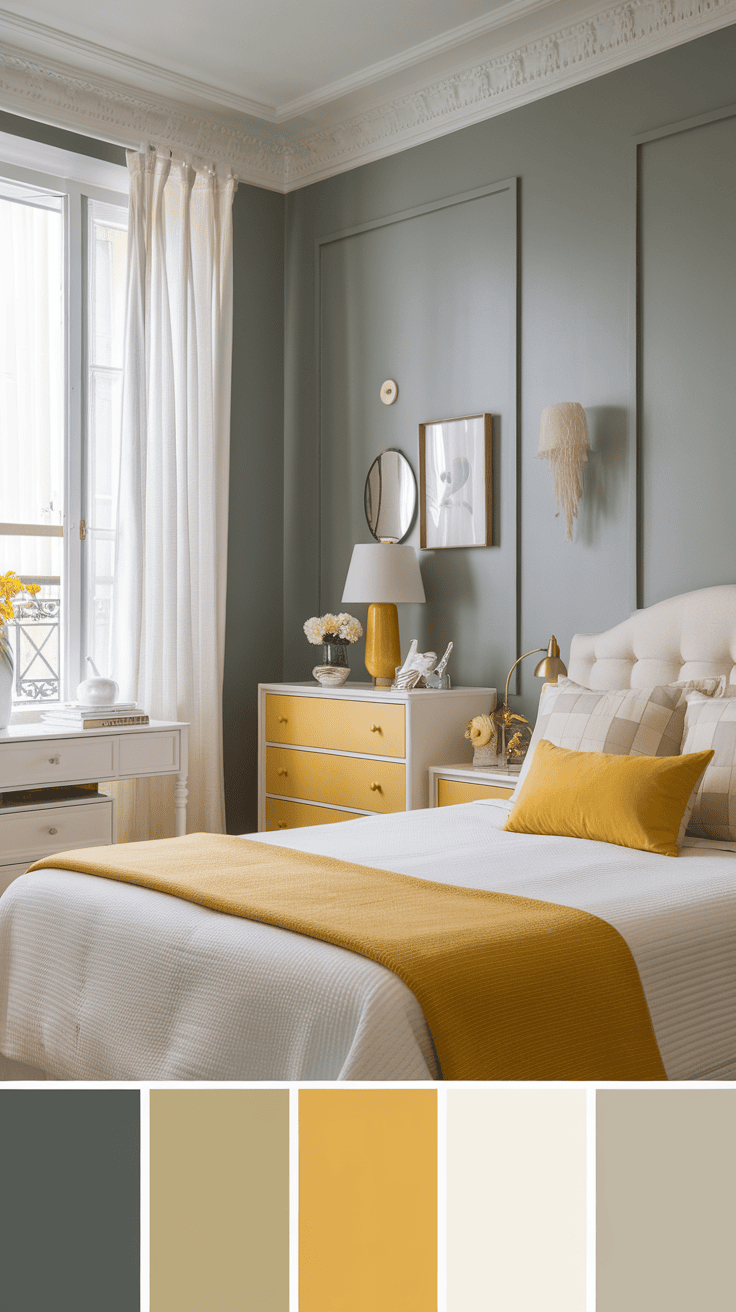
[367, 1200]
[516, 1200]
[666, 1200]
[219, 1200]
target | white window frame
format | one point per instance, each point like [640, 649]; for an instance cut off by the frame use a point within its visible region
[80, 182]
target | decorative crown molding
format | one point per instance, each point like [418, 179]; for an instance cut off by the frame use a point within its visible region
[295, 153]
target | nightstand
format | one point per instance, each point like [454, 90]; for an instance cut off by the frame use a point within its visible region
[330, 754]
[450, 784]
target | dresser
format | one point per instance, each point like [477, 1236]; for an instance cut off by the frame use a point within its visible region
[36, 759]
[451, 784]
[329, 754]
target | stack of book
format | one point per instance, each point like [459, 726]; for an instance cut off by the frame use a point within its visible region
[77, 715]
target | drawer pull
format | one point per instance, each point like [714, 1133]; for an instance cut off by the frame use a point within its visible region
[54, 760]
[283, 719]
[281, 824]
[53, 831]
[282, 771]
[375, 728]
[375, 788]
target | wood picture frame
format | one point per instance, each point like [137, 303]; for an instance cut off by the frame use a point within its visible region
[456, 482]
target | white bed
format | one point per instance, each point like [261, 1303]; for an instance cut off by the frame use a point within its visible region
[100, 980]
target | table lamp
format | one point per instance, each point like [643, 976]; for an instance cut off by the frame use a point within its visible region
[551, 668]
[383, 574]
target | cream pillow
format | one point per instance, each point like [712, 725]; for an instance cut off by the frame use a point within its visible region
[627, 722]
[711, 723]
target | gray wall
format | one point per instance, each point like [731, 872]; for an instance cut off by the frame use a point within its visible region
[574, 154]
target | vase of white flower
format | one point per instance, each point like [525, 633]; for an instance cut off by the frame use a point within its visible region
[335, 633]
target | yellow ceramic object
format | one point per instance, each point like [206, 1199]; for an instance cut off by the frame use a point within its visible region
[382, 643]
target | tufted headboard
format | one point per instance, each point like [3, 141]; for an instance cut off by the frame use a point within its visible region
[687, 637]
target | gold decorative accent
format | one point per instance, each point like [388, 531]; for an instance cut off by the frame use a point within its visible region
[550, 668]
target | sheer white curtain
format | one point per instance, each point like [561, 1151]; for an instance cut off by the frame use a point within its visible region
[170, 565]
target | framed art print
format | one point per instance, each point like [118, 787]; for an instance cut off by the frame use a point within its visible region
[456, 482]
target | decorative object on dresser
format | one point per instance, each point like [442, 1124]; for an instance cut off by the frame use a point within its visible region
[335, 632]
[564, 443]
[390, 497]
[328, 755]
[456, 482]
[515, 729]
[382, 575]
[450, 785]
[35, 758]
[10, 587]
[484, 736]
[421, 670]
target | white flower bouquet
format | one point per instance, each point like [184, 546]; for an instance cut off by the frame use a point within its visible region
[333, 628]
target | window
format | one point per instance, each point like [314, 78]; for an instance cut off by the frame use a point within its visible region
[62, 275]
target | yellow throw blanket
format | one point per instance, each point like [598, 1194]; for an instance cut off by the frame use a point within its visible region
[512, 988]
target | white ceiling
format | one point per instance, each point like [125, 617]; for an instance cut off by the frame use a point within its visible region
[271, 53]
[286, 92]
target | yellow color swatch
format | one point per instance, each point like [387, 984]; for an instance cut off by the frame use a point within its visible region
[368, 1200]
[219, 1200]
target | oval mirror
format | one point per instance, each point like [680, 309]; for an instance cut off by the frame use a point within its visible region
[390, 497]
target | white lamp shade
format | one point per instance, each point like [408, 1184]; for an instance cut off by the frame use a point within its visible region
[383, 572]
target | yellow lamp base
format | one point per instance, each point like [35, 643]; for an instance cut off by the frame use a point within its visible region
[382, 644]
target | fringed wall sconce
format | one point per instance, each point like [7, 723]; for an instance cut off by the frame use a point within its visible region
[564, 443]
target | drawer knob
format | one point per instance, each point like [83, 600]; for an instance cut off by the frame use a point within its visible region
[375, 788]
[282, 771]
[53, 831]
[281, 824]
[283, 719]
[375, 728]
[54, 760]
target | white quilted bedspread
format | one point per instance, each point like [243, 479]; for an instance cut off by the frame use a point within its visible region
[102, 981]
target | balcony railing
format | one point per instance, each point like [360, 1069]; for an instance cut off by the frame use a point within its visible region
[34, 637]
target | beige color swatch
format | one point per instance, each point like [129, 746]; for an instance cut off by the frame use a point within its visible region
[219, 1200]
[367, 1200]
[666, 1200]
[516, 1200]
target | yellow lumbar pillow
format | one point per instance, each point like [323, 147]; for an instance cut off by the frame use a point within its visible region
[634, 801]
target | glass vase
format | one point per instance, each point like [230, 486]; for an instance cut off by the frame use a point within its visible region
[335, 653]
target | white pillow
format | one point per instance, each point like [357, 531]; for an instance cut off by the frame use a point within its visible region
[711, 723]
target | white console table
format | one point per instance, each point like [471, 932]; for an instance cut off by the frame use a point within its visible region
[41, 756]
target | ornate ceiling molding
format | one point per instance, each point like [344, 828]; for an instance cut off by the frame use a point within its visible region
[296, 153]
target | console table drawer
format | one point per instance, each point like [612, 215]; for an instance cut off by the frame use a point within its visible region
[340, 780]
[40, 831]
[59, 761]
[149, 753]
[371, 727]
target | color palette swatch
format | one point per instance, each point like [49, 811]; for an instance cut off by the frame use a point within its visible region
[367, 1200]
[219, 1210]
[69, 1200]
[449, 1199]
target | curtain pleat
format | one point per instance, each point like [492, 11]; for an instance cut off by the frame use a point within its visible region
[170, 575]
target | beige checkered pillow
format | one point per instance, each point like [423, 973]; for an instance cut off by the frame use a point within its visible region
[628, 722]
[709, 723]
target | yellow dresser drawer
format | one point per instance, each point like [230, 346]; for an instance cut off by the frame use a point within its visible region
[338, 725]
[342, 780]
[452, 791]
[293, 815]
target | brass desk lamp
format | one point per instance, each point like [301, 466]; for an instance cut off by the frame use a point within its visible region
[551, 668]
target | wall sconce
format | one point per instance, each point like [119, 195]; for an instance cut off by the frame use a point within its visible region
[564, 443]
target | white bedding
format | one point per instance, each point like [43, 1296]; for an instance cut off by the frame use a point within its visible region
[100, 980]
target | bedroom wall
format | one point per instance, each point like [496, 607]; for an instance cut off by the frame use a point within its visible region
[574, 154]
